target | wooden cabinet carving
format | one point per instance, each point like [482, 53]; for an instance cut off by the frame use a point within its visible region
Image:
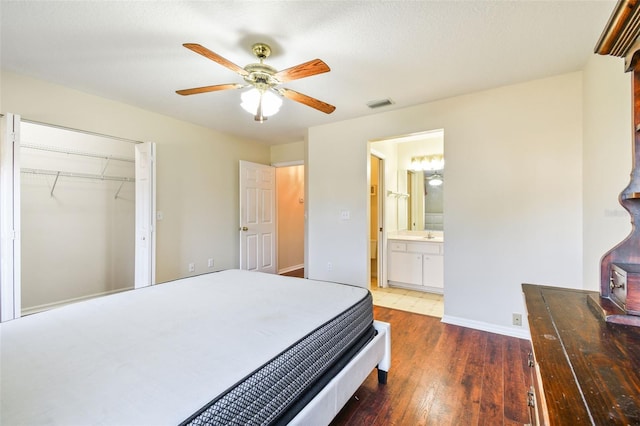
[620, 38]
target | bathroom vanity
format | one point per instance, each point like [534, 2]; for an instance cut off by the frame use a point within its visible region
[416, 262]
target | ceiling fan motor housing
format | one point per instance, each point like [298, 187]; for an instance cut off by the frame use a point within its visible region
[261, 76]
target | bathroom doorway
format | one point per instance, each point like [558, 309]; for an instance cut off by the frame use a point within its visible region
[411, 193]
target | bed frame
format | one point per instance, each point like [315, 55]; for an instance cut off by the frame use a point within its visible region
[324, 407]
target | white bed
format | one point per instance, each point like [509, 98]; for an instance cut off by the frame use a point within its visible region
[158, 355]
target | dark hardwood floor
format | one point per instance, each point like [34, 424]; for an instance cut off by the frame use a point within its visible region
[297, 273]
[443, 375]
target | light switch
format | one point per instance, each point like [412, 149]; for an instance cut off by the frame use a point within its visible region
[159, 215]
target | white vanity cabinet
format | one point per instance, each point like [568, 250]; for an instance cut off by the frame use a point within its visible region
[433, 271]
[416, 265]
[405, 267]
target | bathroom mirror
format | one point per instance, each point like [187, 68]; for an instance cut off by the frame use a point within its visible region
[412, 161]
[425, 210]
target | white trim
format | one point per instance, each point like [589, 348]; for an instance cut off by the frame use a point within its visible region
[377, 153]
[520, 332]
[291, 268]
[288, 163]
[10, 249]
[60, 303]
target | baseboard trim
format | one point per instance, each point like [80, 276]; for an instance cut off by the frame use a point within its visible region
[47, 306]
[290, 268]
[520, 333]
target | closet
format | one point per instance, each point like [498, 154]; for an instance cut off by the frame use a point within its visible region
[77, 213]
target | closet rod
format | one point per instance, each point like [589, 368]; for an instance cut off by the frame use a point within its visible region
[76, 175]
[73, 152]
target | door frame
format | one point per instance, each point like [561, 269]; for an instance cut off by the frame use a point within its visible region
[382, 214]
[304, 232]
[10, 247]
[10, 291]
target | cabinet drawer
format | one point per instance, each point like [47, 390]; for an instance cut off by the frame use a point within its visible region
[395, 246]
[426, 248]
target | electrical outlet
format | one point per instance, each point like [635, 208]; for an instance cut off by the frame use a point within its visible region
[329, 266]
[192, 267]
[516, 319]
[210, 263]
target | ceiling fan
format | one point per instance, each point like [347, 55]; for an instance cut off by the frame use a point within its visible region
[265, 97]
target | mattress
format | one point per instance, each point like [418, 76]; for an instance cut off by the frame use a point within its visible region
[158, 355]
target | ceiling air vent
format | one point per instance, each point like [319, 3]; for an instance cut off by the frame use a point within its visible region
[379, 103]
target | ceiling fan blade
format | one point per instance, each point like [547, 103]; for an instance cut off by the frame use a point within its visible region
[307, 69]
[216, 58]
[307, 100]
[206, 89]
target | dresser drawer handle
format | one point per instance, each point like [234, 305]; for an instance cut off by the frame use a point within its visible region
[531, 400]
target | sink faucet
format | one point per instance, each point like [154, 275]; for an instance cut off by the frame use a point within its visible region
[429, 235]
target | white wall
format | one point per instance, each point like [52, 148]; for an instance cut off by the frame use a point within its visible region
[197, 168]
[607, 160]
[513, 200]
[288, 152]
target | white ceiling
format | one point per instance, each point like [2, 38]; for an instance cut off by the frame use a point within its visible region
[410, 51]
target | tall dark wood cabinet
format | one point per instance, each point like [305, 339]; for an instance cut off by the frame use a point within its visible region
[620, 266]
[585, 364]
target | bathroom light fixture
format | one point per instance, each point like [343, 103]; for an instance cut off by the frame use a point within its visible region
[260, 103]
[435, 180]
[427, 162]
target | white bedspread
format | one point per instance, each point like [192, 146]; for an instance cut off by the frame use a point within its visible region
[155, 356]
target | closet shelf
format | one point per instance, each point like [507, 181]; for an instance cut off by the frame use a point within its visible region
[74, 152]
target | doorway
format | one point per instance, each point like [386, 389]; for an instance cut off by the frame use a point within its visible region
[412, 219]
[272, 221]
[290, 214]
[84, 225]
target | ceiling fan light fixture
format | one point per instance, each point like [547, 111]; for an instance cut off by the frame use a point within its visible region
[253, 99]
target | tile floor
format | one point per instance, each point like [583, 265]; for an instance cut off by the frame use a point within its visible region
[401, 299]
[408, 300]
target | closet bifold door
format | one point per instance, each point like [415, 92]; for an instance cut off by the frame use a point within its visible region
[145, 245]
[10, 218]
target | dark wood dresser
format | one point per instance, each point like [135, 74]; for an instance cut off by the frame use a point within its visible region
[584, 370]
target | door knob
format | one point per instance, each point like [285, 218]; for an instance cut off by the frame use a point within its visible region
[244, 228]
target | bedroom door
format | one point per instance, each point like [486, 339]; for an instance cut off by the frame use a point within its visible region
[257, 217]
